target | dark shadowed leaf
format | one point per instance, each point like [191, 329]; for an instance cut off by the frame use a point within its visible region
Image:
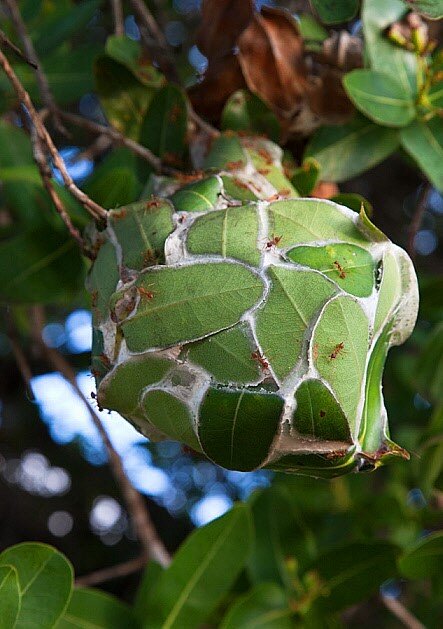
[129, 53]
[433, 9]
[45, 581]
[202, 572]
[263, 607]
[221, 23]
[305, 177]
[424, 142]
[333, 12]
[353, 572]
[423, 560]
[246, 112]
[114, 181]
[40, 266]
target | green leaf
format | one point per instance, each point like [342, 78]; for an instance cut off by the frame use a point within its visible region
[149, 578]
[10, 597]
[189, 302]
[227, 356]
[384, 55]
[197, 196]
[339, 348]
[380, 97]
[224, 150]
[351, 573]
[123, 98]
[433, 9]
[93, 609]
[351, 267]
[423, 560]
[231, 232]
[308, 220]
[114, 181]
[295, 297]
[344, 151]
[171, 416]
[246, 112]
[202, 572]
[129, 53]
[45, 580]
[102, 280]
[40, 266]
[60, 28]
[164, 126]
[227, 421]
[141, 230]
[318, 414]
[310, 29]
[429, 370]
[305, 177]
[333, 12]
[424, 142]
[263, 607]
[353, 201]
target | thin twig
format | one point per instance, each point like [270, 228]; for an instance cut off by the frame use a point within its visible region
[146, 17]
[119, 138]
[5, 41]
[19, 354]
[42, 81]
[117, 12]
[143, 525]
[114, 572]
[418, 217]
[95, 210]
[204, 126]
[99, 146]
[402, 613]
[46, 175]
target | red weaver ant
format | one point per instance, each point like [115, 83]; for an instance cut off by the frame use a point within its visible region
[338, 349]
[340, 269]
[259, 358]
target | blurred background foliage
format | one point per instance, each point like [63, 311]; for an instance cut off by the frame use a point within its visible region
[274, 73]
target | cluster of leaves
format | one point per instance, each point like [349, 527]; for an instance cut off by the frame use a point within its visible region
[242, 570]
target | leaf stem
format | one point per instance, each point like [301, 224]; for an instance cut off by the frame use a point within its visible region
[402, 613]
[114, 572]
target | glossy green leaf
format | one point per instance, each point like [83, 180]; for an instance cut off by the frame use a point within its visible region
[170, 416]
[150, 576]
[164, 126]
[433, 9]
[123, 98]
[310, 29]
[92, 609]
[227, 421]
[308, 220]
[295, 297]
[360, 144]
[263, 607]
[141, 230]
[351, 267]
[231, 233]
[353, 572]
[423, 560]
[129, 53]
[45, 581]
[40, 266]
[189, 302]
[102, 280]
[57, 30]
[202, 572]
[197, 196]
[305, 177]
[339, 348]
[332, 12]
[380, 97]
[246, 112]
[384, 55]
[227, 356]
[123, 388]
[318, 414]
[424, 142]
[10, 597]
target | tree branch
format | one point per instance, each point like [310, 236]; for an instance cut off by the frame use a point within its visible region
[119, 138]
[404, 615]
[43, 83]
[143, 525]
[418, 217]
[5, 41]
[19, 354]
[114, 572]
[95, 210]
[119, 24]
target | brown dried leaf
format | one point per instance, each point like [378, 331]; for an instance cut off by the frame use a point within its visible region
[343, 51]
[271, 58]
[221, 24]
[326, 97]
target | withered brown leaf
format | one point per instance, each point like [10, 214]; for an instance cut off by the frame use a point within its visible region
[222, 22]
